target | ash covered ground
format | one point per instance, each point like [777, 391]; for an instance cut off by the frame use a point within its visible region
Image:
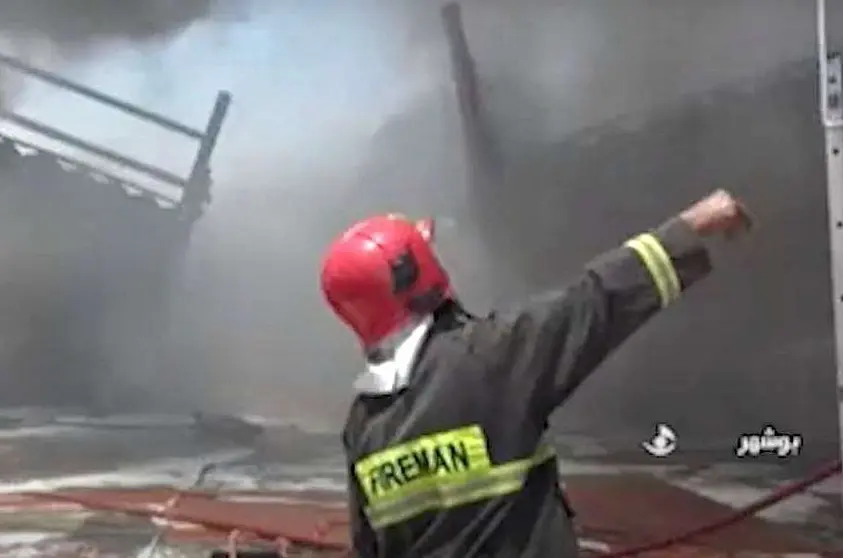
[51, 449]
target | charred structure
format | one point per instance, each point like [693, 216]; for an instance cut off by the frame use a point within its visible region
[89, 257]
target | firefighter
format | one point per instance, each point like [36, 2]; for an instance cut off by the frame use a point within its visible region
[446, 438]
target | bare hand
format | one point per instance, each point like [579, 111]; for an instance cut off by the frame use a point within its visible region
[718, 213]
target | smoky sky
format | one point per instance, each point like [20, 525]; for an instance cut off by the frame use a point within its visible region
[52, 33]
[344, 110]
[88, 23]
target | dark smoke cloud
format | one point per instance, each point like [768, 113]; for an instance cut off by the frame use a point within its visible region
[627, 111]
[66, 336]
[610, 116]
[86, 23]
[51, 34]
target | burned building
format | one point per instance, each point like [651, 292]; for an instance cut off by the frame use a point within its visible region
[89, 253]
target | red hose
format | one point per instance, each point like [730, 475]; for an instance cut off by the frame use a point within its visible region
[221, 526]
[783, 493]
[316, 541]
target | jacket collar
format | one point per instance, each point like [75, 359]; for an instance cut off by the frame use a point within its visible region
[401, 349]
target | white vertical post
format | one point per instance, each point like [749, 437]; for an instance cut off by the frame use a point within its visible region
[831, 112]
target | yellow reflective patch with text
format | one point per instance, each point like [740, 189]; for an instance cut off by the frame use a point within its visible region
[445, 458]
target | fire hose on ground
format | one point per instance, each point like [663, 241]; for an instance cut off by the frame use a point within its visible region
[315, 540]
[782, 493]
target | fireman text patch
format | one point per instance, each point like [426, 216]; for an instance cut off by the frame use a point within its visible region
[437, 471]
[423, 461]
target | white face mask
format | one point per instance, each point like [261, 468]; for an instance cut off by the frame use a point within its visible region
[396, 359]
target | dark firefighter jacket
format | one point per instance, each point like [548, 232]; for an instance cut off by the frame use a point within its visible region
[455, 465]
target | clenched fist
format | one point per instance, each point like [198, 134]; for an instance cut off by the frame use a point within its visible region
[718, 213]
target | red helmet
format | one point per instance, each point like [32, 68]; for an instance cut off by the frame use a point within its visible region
[381, 274]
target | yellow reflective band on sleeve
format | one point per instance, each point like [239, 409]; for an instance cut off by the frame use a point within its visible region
[659, 265]
[438, 471]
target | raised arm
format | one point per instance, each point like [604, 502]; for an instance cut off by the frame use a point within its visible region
[562, 338]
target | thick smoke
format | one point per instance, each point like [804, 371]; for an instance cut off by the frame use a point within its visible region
[609, 116]
[64, 330]
[87, 23]
[624, 114]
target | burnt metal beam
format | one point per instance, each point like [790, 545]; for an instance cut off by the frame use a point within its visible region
[59, 81]
[196, 187]
[91, 170]
[103, 152]
[197, 192]
[483, 168]
[212, 131]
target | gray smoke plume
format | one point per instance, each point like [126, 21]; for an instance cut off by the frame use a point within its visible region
[85, 23]
[608, 116]
[64, 258]
[611, 116]
[53, 33]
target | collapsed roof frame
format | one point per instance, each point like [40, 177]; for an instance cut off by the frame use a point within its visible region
[195, 187]
[831, 113]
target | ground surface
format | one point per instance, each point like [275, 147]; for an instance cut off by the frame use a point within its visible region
[282, 479]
